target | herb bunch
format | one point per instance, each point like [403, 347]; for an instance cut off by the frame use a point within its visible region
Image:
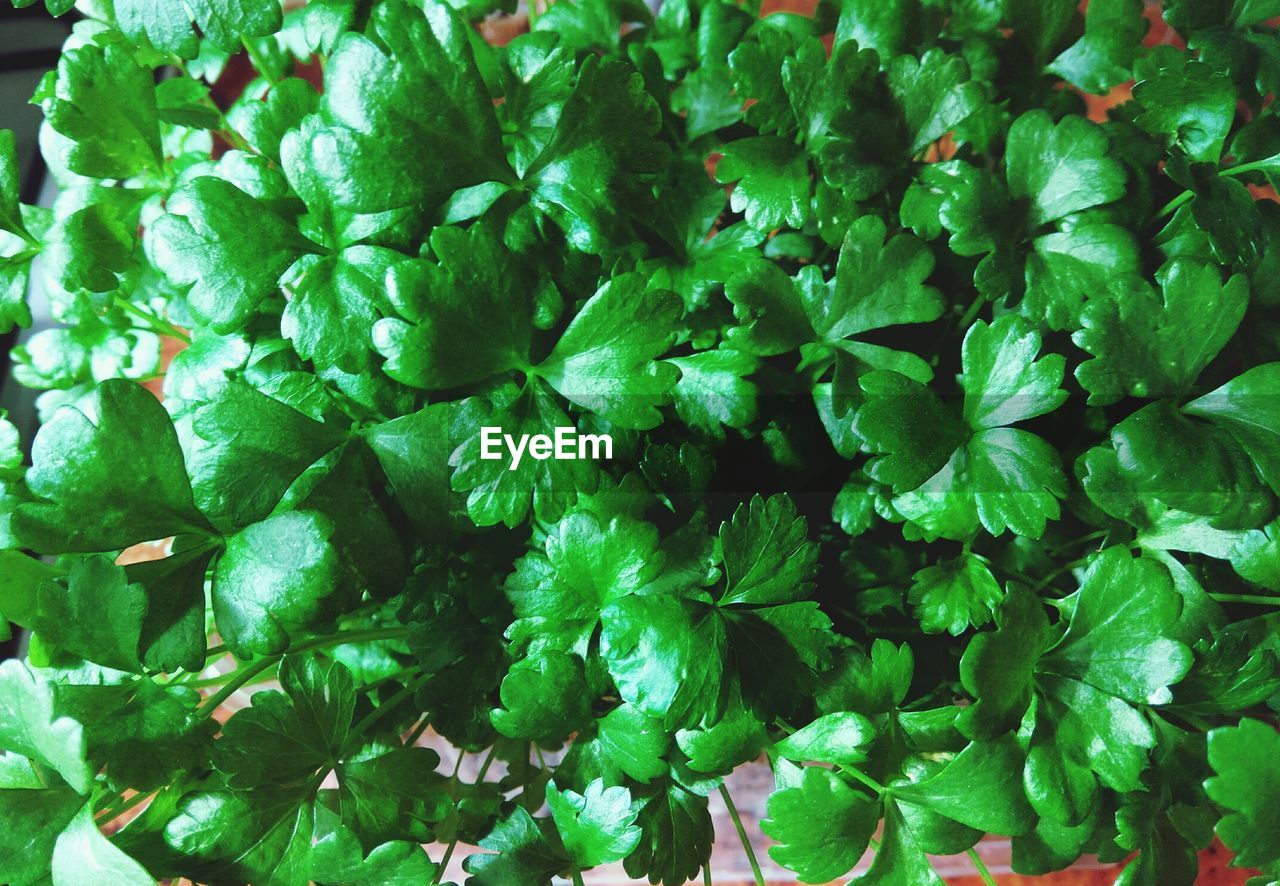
[946, 430]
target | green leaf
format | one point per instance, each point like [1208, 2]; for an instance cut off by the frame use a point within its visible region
[246, 448]
[635, 742]
[262, 836]
[879, 283]
[33, 818]
[767, 554]
[998, 667]
[1147, 346]
[950, 596]
[32, 726]
[587, 565]
[226, 23]
[165, 28]
[1187, 102]
[337, 856]
[10, 186]
[97, 594]
[676, 839]
[395, 795]
[936, 94]
[459, 327]
[497, 494]
[590, 178]
[980, 787]
[666, 656]
[544, 698]
[526, 857]
[104, 104]
[286, 736]
[275, 577]
[82, 854]
[907, 428]
[1060, 168]
[900, 858]
[822, 826]
[92, 493]
[767, 305]
[1249, 409]
[410, 84]
[1117, 638]
[1004, 383]
[771, 181]
[713, 390]
[598, 825]
[1245, 784]
[228, 247]
[605, 361]
[1104, 55]
[839, 738]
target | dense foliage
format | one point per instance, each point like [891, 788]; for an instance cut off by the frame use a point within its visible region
[946, 435]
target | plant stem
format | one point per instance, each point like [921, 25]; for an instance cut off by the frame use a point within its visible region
[239, 678]
[110, 813]
[1258, 599]
[981, 866]
[865, 779]
[155, 324]
[258, 63]
[381, 710]
[742, 834]
[1250, 167]
[417, 733]
[1172, 206]
[706, 875]
[577, 878]
[971, 313]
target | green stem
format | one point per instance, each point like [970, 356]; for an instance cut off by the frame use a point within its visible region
[108, 814]
[258, 63]
[242, 675]
[381, 710]
[742, 834]
[239, 678]
[865, 779]
[1258, 599]
[981, 866]
[155, 324]
[706, 874]
[577, 878]
[971, 313]
[417, 733]
[1254, 166]
[1172, 206]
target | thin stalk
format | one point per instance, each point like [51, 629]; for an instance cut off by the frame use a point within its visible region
[865, 779]
[971, 313]
[742, 835]
[241, 677]
[259, 63]
[417, 733]
[1257, 599]
[1254, 166]
[706, 874]
[1172, 206]
[577, 878]
[111, 813]
[155, 324]
[981, 866]
[381, 710]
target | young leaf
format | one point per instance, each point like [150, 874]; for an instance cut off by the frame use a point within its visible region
[768, 556]
[598, 825]
[821, 825]
[86, 456]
